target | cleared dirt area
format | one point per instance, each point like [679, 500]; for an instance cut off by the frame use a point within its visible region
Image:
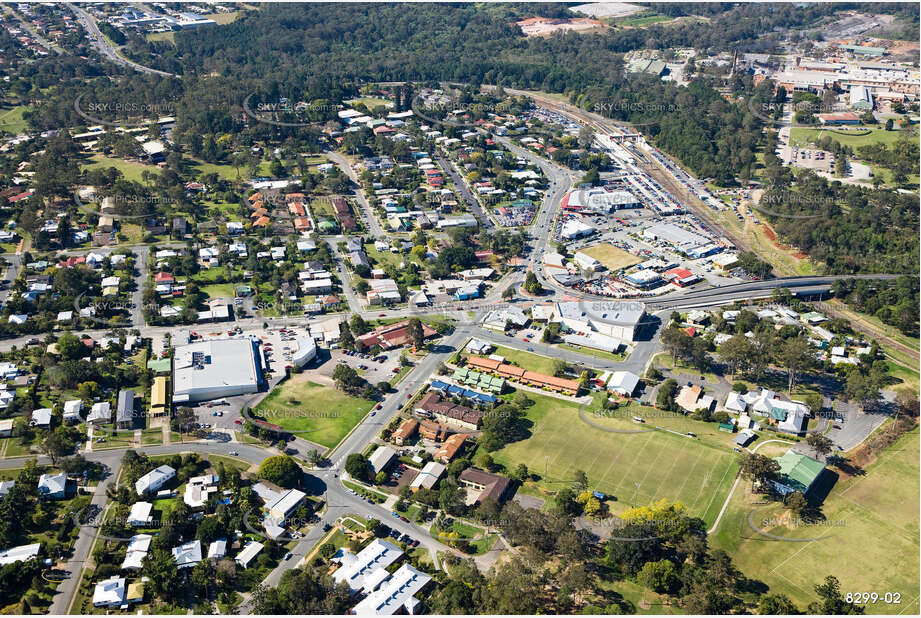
[545, 26]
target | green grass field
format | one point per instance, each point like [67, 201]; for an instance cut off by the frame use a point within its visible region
[613, 258]
[322, 208]
[318, 413]
[642, 19]
[219, 290]
[871, 535]
[370, 102]
[526, 360]
[664, 465]
[11, 120]
[801, 136]
[130, 169]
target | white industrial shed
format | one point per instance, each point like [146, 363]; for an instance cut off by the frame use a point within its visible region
[212, 369]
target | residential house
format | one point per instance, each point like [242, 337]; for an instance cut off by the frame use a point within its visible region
[53, 486]
[154, 480]
[187, 555]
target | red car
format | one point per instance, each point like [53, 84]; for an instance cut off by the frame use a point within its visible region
[237, 421]
[382, 315]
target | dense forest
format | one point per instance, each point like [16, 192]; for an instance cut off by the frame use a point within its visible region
[850, 229]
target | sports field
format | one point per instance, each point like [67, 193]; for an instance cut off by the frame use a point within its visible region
[870, 535]
[634, 468]
[612, 257]
[317, 413]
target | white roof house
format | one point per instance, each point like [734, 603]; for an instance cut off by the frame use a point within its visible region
[140, 514]
[217, 549]
[198, 489]
[100, 413]
[110, 592]
[187, 555]
[542, 313]
[585, 261]
[574, 228]
[476, 346]
[138, 547]
[72, 410]
[41, 417]
[154, 480]
[498, 318]
[282, 506]
[247, 554]
[52, 485]
[790, 415]
[623, 382]
[19, 554]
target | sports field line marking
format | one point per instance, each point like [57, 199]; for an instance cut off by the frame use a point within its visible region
[668, 474]
[704, 482]
[713, 494]
[787, 579]
[651, 468]
[805, 545]
[688, 476]
[861, 480]
[592, 465]
[866, 514]
[908, 606]
[627, 473]
[619, 459]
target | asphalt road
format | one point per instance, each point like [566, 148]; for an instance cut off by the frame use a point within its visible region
[106, 49]
[472, 203]
[358, 194]
[38, 38]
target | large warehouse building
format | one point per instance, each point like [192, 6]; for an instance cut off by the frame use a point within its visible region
[599, 200]
[618, 319]
[211, 369]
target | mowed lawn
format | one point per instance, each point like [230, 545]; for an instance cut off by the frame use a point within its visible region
[870, 536]
[613, 258]
[11, 120]
[130, 169]
[800, 136]
[664, 465]
[526, 360]
[318, 413]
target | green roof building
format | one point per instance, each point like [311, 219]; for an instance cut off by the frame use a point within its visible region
[797, 473]
[778, 414]
[161, 365]
[864, 51]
